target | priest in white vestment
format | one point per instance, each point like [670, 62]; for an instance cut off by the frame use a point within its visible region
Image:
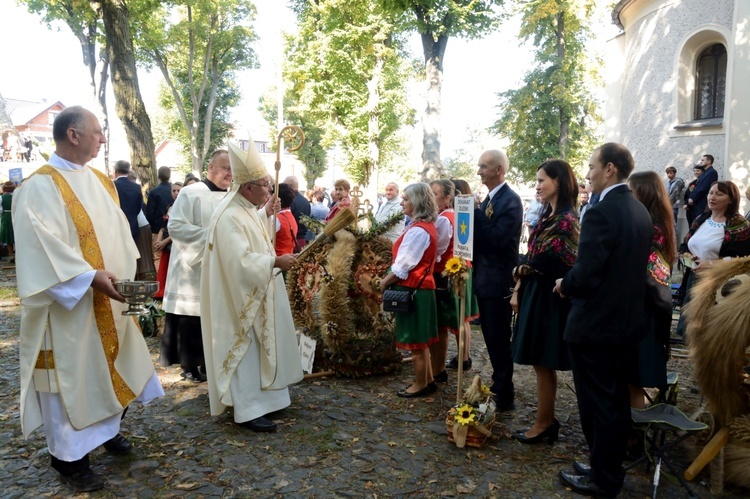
[82, 361]
[248, 333]
[188, 224]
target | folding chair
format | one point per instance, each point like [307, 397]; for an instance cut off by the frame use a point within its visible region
[657, 422]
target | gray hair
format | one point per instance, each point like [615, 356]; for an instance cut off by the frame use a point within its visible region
[122, 167]
[423, 200]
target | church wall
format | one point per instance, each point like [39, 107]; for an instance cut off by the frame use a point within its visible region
[656, 31]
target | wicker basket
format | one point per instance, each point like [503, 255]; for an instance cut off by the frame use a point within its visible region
[474, 437]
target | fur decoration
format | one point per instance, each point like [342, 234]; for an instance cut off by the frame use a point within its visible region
[718, 335]
[737, 463]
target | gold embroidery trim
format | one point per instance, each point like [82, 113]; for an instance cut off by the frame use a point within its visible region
[45, 360]
[92, 253]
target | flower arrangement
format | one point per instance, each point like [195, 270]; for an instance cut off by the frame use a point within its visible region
[457, 271]
[470, 422]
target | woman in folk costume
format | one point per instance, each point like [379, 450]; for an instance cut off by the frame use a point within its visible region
[286, 225]
[414, 254]
[164, 244]
[471, 307]
[542, 314]
[653, 350]
[6, 222]
[248, 333]
[447, 301]
[720, 232]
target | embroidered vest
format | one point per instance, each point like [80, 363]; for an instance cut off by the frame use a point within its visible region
[440, 266]
[426, 264]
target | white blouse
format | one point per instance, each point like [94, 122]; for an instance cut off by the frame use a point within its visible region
[415, 242]
[706, 242]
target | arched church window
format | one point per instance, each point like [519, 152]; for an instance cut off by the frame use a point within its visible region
[711, 82]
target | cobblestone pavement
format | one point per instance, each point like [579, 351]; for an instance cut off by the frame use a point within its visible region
[339, 438]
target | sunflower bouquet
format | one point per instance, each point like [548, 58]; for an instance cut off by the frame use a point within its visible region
[470, 422]
[457, 271]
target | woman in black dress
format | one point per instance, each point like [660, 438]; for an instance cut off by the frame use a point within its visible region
[538, 338]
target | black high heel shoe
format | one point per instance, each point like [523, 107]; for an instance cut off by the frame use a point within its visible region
[551, 434]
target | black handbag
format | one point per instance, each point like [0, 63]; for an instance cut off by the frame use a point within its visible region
[397, 300]
[400, 300]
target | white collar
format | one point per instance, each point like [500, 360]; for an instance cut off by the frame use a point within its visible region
[64, 164]
[605, 191]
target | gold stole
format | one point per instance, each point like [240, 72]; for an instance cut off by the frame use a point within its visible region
[92, 253]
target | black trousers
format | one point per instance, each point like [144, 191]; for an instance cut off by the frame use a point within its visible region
[600, 373]
[182, 342]
[494, 316]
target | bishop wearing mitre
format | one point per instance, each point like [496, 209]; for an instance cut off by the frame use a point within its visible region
[248, 334]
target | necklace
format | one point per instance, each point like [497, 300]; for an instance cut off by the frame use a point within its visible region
[712, 223]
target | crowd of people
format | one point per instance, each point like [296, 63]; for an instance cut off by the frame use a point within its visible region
[591, 294]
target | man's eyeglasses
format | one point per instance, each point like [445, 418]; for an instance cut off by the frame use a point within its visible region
[266, 185]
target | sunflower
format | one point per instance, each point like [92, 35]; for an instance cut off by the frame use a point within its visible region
[454, 265]
[465, 415]
[486, 390]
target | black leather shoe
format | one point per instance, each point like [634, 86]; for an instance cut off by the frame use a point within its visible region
[194, 376]
[505, 407]
[427, 390]
[582, 484]
[260, 424]
[442, 377]
[84, 481]
[453, 364]
[581, 468]
[550, 433]
[118, 445]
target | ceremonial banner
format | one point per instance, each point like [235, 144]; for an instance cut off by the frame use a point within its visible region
[463, 238]
[15, 175]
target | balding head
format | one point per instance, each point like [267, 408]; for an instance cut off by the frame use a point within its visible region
[292, 182]
[493, 166]
[78, 135]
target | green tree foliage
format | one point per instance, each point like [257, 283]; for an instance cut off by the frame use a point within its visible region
[227, 97]
[107, 23]
[436, 21]
[554, 114]
[312, 154]
[85, 23]
[198, 45]
[347, 75]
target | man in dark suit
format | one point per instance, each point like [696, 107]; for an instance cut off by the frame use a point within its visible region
[606, 320]
[699, 197]
[159, 199]
[300, 206]
[131, 200]
[497, 231]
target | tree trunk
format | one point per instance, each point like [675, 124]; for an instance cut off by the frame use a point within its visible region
[434, 50]
[101, 95]
[87, 35]
[129, 105]
[373, 123]
[564, 138]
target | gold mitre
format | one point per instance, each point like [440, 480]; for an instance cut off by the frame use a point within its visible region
[247, 166]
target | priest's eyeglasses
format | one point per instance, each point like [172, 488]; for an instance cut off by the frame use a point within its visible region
[267, 185]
